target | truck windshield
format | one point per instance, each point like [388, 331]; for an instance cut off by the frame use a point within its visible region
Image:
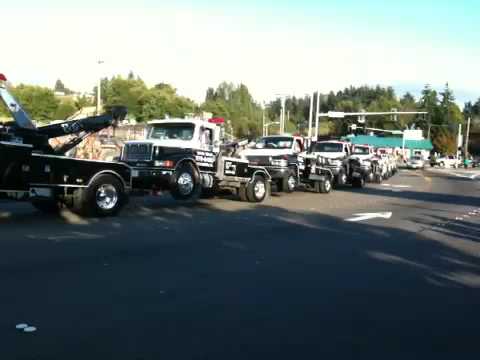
[172, 131]
[327, 147]
[360, 150]
[279, 142]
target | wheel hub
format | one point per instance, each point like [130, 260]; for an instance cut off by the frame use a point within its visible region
[292, 182]
[185, 183]
[328, 185]
[259, 190]
[106, 197]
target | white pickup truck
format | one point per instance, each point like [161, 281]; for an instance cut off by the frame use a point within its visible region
[448, 161]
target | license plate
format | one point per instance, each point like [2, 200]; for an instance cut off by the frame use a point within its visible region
[135, 173]
[356, 174]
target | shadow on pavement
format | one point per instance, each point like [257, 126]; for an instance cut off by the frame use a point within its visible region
[449, 199]
[199, 282]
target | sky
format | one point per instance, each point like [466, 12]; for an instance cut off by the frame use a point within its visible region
[274, 47]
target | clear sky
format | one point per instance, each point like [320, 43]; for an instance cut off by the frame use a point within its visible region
[281, 46]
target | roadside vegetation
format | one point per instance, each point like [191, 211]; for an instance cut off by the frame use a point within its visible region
[236, 104]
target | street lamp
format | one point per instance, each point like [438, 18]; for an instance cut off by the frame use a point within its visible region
[99, 87]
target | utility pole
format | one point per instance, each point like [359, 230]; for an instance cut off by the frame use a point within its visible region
[310, 118]
[429, 125]
[99, 88]
[263, 120]
[467, 138]
[283, 98]
[317, 116]
[459, 138]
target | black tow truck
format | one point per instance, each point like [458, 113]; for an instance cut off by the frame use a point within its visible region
[290, 165]
[31, 169]
[189, 159]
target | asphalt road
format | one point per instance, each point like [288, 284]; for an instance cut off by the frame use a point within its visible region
[287, 279]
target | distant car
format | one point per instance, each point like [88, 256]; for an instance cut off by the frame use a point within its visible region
[416, 162]
[472, 162]
[476, 162]
[448, 161]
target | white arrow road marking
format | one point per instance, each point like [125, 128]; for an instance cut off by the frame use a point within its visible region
[368, 216]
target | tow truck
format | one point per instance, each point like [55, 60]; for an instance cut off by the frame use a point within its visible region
[335, 156]
[278, 154]
[189, 158]
[31, 169]
[290, 165]
[371, 164]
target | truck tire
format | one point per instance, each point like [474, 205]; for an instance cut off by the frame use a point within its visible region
[186, 183]
[289, 183]
[371, 177]
[326, 186]
[341, 179]
[258, 189]
[378, 178]
[358, 182]
[47, 206]
[104, 197]
[242, 192]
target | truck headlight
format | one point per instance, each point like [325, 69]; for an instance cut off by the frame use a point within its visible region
[164, 163]
[334, 162]
[279, 162]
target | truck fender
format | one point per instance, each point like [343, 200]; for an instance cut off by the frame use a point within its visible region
[187, 159]
[260, 172]
[110, 172]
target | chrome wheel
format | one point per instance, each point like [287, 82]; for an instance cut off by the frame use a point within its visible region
[185, 183]
[106, 197]
[328, 186]
[292, 182]
[259, 190]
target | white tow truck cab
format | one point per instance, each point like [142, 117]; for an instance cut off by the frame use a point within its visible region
[279, 154]
[188, 158]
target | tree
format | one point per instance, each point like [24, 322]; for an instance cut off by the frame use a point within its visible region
[64, 110]
[408, 100]
[450, 111]
[38, 101]
[162, 101]
[126, 92]
[445, 142]
[60, 87]
[82, 102]
[236, 104]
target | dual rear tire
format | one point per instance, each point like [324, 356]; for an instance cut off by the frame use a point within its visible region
[256, 190]
[323, 187]
[105, 196]
[289, 183]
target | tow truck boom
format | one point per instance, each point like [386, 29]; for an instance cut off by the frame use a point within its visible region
[23, 129]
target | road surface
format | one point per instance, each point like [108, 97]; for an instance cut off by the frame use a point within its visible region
[287, 279]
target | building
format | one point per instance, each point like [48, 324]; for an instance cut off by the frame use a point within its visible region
[410, 145]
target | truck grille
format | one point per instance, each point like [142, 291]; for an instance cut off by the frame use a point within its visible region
[259, 160]
[137, 152]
